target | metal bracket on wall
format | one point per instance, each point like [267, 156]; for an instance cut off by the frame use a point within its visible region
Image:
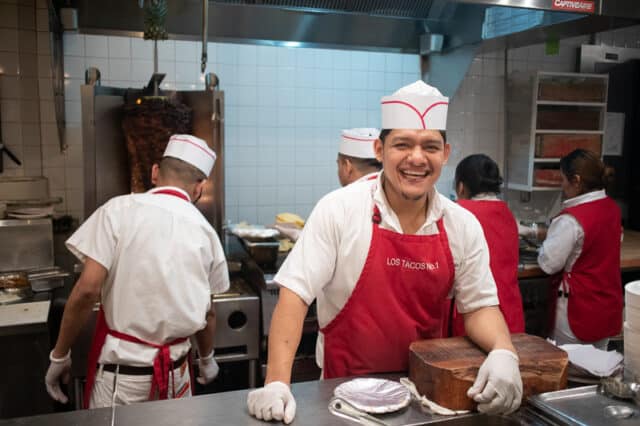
[5, 150]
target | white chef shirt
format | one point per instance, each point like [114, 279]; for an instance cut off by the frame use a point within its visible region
[563, 244]
[368, 176]
[327, 260]
[164, 260]
[486, 196]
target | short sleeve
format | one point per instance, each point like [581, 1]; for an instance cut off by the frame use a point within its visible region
[311, 264]
[97, 237]
[219, 273]
[562, 238]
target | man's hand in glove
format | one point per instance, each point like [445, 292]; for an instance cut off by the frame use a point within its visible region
[272, 402]
[59, 370]
[498, 387]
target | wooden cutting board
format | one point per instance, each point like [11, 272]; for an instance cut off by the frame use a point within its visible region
[444, 369]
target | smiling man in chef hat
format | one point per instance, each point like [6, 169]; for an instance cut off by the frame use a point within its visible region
[356, 156]
[382, 259]
[153, 261]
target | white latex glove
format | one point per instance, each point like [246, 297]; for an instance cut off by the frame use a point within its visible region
[59, 369]
[528, 231]
[498, 387]
[289, 230]
[272, 402]
[207, 368]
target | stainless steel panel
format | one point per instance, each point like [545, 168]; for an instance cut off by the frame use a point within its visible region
[26, 244]
[208, 124]
[590, 55]
[230, 408]
[104, 151]
[581, 406]
[261, 24]
[106, 169]
[237, 324]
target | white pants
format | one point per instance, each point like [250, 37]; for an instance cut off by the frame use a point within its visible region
[562, 333]
[132, 389]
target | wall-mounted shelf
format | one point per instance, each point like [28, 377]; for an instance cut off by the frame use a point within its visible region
[549, 115]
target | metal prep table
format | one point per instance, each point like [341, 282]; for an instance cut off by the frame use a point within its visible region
[230, 408]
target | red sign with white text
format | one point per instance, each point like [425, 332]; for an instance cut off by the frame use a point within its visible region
[579, 6]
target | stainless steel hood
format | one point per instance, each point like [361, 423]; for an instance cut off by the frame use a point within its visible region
[391, 25]
[379, 25]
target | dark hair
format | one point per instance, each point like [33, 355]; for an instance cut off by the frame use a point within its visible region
[594, 174]
[479, 173]
[176, 169]
[385, 132]
[363, 165]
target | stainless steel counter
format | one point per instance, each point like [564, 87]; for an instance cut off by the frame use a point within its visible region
[230, 408]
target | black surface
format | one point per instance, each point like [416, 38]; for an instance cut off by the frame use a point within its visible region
[624, 97]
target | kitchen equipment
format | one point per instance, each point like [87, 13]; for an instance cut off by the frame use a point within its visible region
[105, 156]
[237, 326]
[444, 369]
[261, 278]
[14, 280]
[342, 408]
[24, 188]
[617, 387]
[264, 251]
[372, 395]
[584, 406]
[25, 339]
[46, 279]
[26, 244]
[631, 331]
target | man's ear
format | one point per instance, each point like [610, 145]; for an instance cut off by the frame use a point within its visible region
[198, 190]
[348, 165]
[155, 171]
[447, 152]
[378, 147]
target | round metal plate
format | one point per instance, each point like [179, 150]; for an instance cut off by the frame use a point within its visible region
[374, 395]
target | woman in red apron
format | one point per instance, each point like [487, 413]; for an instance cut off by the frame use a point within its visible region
[478, 182]
[582, 249]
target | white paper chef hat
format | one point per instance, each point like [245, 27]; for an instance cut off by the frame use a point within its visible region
[192, 150]
[416, 106]
[358, 142]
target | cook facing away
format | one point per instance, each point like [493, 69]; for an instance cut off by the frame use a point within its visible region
[380, 257]
[356, 156]
[153, 261]
[582, 249]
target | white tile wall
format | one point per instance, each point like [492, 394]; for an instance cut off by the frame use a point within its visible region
[284, 108]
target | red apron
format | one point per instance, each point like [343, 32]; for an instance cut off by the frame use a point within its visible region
[594, 284]
[501, 232]
[162, 364]
[397, 300]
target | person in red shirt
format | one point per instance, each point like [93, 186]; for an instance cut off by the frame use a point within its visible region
[478, 181]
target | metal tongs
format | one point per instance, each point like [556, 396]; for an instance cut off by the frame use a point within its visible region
[617, 387]
[341, 408]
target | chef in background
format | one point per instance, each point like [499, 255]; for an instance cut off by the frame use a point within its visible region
[153, 261]
[582, 250]
[478, 181]
[356, 157]
[381, 257]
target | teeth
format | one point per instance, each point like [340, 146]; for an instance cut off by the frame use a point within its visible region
[413, 174]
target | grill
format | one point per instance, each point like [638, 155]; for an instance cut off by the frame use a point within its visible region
[237, 326]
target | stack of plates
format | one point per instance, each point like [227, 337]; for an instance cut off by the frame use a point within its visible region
[632, 329]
